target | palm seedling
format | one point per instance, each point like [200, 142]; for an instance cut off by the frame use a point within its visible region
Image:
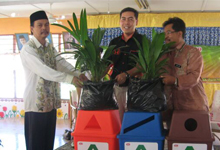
[88, 51]
[147, 94]
[149, 61]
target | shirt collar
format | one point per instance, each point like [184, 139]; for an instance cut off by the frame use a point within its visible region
[37, 43]
[133, 35]
[182, 47]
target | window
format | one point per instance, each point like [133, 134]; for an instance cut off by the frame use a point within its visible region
[65, 88]
[7, 75]
[6, 44]
[56, 44]
[12, 79]
[62, 43]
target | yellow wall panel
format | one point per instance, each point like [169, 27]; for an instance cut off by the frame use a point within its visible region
[156, 20]
[22, 25]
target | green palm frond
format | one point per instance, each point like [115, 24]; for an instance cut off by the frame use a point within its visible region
[74, 45]
[146, 48]
[108, 51]
[141, 60]
[73, 29]
[97, 37]
[137, 61]
[160, 66]
[149, 56]
[75, 21]
[88, 51]
[83, 27]
[157, 44]
[90, 47]
[154, 33]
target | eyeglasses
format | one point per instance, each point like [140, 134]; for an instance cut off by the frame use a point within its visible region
[169, 32]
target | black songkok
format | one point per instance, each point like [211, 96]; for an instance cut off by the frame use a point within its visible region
[37, 16]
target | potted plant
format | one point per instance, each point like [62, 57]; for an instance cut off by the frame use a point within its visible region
[97, 94]
[146, 93]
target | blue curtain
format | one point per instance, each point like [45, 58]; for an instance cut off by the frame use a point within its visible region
[209, 36]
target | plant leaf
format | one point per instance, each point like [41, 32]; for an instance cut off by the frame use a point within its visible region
[146, 52]
[157, 45]
[90, 48]
[83, 27]
[108, 51]
[75, 35]
[75, 21]
[160, 65]
[64, 27]
[97, 37]
[154, 33]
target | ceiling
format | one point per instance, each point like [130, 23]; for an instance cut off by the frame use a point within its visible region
[59, 8]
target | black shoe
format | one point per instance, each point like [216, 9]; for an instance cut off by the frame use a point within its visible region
[67, 135]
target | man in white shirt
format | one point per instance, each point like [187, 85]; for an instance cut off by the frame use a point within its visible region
[43, 70]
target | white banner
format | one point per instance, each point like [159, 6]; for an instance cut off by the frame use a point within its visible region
[141, 146]
[189, 146]
[92, 145]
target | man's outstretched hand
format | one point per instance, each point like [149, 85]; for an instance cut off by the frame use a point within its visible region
[168, 80]
[78, 82]
[83, 78]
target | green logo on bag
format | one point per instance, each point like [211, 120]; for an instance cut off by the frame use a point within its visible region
[189, 148]
[93, 147]
[141, 147]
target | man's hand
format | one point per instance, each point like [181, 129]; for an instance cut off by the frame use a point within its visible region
[121, 78]
[168, 80]
[76, 82]
[83, 78]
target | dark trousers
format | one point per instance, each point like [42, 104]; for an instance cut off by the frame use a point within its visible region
[40, 130]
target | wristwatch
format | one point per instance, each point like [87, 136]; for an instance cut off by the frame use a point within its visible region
[127, 74]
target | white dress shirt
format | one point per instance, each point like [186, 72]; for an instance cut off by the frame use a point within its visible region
[36, 70]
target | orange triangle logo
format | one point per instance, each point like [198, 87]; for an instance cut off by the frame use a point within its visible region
[93, 124]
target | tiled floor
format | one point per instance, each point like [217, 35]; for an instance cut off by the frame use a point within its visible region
[12, 133]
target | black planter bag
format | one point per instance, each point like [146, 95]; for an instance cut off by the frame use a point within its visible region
[98, 96]
[146, 96]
